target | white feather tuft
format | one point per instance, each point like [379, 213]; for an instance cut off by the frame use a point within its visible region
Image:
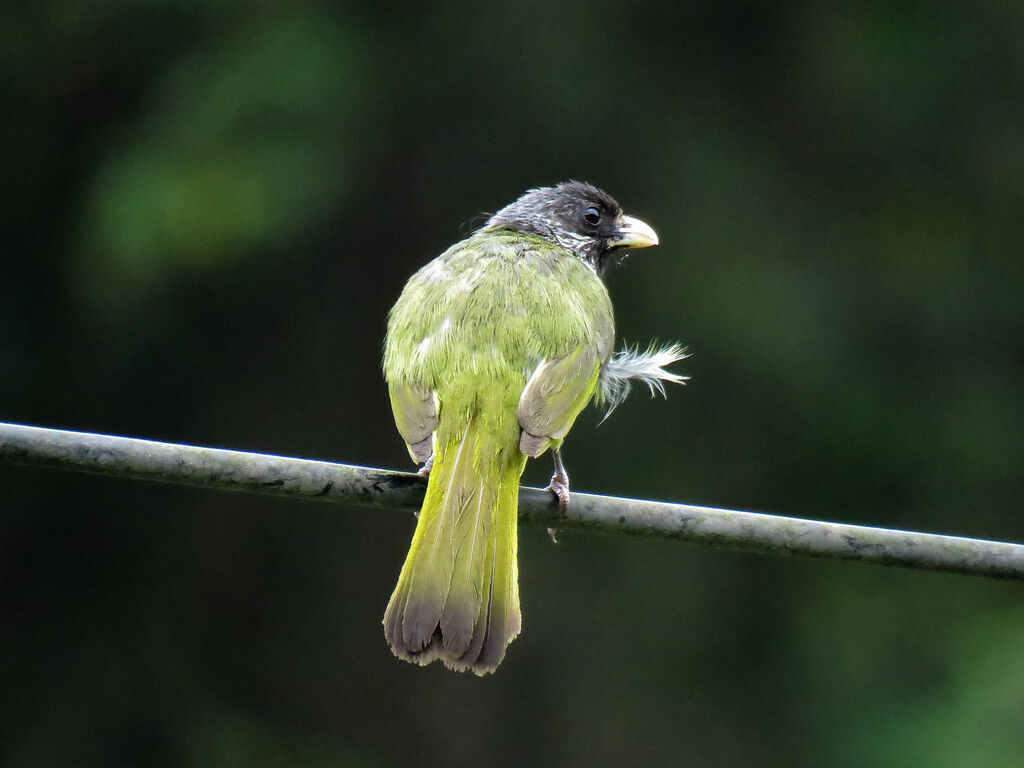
[648, 366]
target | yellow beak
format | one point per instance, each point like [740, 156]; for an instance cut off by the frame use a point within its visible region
[634, 233]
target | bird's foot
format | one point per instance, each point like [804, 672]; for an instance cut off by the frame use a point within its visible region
[559, 486]
[424, 471]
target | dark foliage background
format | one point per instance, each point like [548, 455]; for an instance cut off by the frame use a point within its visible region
[208, 208]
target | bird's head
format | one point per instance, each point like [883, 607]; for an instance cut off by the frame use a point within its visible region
[580, 218]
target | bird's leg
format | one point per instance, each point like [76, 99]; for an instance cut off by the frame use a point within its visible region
[424, 471]
[559, 484]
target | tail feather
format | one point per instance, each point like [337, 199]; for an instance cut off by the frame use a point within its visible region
[471, 658]
[504, 619]
[457, 597]
[430, 556]
[461, 609]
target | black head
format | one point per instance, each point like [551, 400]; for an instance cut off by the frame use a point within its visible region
[579, 217]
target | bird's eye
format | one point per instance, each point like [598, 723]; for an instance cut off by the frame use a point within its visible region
[592, 216]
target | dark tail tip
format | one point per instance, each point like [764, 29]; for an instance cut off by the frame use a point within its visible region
[485, 652]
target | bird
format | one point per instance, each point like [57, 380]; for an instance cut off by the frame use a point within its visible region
[491, 352]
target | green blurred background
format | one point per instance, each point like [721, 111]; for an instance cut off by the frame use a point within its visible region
[209, 207]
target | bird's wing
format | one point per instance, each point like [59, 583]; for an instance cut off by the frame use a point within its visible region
[415, 410]
[554, 396]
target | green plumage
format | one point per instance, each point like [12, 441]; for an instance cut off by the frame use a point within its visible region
[492, 351]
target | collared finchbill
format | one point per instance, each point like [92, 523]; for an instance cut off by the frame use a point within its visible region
[633, 233]
[492, 351]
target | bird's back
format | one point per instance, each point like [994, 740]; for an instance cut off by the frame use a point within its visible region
[473, 324]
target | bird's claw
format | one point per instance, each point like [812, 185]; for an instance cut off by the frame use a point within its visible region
[424, 471]
[559, 486]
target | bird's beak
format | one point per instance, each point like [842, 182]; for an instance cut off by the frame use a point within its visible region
[633, 233]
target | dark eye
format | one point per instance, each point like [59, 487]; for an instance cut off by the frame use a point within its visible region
[592, 216]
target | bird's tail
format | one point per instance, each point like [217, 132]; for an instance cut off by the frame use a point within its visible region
[457, 597]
